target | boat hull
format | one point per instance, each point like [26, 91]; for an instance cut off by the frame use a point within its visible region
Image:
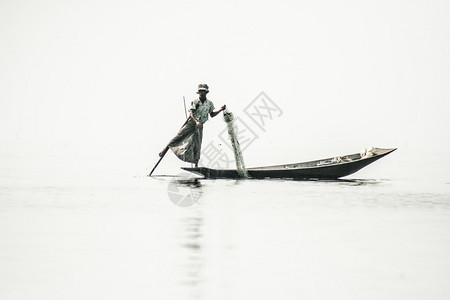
[319, 169]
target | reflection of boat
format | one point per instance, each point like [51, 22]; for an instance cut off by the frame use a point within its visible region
[330, 168]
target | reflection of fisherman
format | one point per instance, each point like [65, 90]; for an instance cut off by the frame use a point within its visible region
[187, 143]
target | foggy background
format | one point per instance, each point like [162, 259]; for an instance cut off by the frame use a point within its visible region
[91, 91]
[104, 77]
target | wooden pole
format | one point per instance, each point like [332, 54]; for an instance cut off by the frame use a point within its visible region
[187, 119]
[157, 164]
[185, 111]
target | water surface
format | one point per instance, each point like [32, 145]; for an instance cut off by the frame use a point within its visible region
[102, 232]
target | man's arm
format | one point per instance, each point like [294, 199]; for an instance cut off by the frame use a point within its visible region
[215, 113]
[193, 118]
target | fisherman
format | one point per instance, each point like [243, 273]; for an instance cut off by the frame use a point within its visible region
[186, 145]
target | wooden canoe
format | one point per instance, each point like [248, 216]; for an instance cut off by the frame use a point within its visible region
[329, 168]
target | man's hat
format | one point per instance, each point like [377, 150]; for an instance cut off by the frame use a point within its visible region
[203, 87]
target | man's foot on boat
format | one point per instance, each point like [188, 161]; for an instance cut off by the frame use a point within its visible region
[162, 153]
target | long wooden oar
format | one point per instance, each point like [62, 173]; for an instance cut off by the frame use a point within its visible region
[164, 153]
[162, 156]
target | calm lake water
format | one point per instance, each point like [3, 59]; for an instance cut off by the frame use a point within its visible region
[88, 229]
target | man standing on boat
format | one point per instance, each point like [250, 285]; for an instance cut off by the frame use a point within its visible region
[186, 145]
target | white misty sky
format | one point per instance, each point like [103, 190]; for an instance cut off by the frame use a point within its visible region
[347, 74]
